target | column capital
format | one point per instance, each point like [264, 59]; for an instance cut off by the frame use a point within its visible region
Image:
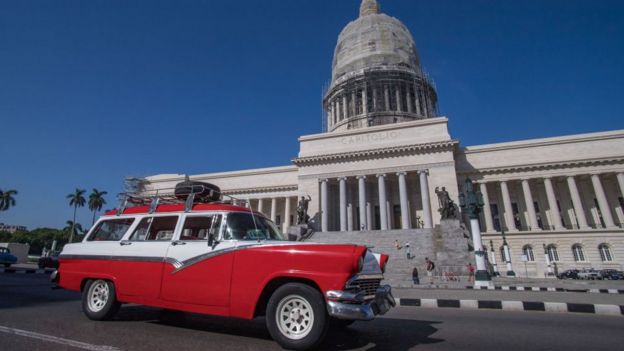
[380, 175]
[360, 177]
[425, 171]
[401, 173]
[323, 180]
[341, 178]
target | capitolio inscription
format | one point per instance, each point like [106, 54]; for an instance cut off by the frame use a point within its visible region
[368, 138]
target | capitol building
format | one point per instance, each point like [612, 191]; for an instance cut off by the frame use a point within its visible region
[385, 150]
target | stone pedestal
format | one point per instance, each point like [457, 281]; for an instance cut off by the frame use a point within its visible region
[298, 232]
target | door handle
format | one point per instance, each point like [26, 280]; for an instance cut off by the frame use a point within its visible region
[175, 243]
[124, 243]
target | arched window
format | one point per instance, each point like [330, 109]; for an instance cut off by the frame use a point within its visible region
[527, 250]
[577, 251]
[605, 252]
[553, 256]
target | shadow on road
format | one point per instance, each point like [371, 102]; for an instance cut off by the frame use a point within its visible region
[380, 334]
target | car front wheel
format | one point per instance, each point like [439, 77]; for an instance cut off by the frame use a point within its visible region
[297, 317]
[99, 301]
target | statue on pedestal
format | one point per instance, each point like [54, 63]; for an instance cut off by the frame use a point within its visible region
[447, 207]
[302, 210]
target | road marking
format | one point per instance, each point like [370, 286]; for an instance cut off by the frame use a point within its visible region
[57, 340]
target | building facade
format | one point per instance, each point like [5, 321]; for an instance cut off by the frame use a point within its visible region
[385, 153]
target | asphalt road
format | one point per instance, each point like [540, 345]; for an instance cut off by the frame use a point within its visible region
[34, 317]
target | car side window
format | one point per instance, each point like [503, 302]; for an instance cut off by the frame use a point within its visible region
[111, 230]
[197, 227]
[155, 229]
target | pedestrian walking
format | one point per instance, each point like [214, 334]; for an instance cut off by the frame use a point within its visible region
[471, 272]
[429, 266]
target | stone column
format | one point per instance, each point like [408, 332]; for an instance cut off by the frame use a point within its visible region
[424, 197]
[620, 179]
[552, 204]
[350, 217]
[528, 200]
[403, 200]
[286, 214]
[602, 201]
[364, 101]
[273, 209]
[417, 99]
[259, 209]
[342, 182]
[383, 216]
[374, 99]
[324, 205]
[354, 103]
[579, 211]
[387, 98]
[487, 210]
[362, 201]
[509, 216]
[408, 99]
[335, 111]
[398, 98]
[345, 107]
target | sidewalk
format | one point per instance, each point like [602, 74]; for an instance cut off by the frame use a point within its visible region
[606, 304]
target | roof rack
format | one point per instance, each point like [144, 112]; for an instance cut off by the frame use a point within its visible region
[167, 196]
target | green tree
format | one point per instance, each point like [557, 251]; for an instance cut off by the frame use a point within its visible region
[7, 199]
[96, 201]
[74, 229]
[76, 200]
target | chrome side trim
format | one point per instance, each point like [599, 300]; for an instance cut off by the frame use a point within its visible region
[112, 258]
[197, 259]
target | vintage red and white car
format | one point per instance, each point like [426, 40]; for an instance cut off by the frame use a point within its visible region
[220, 259]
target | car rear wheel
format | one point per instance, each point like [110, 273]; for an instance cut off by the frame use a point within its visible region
[99, 300]
[297, 317]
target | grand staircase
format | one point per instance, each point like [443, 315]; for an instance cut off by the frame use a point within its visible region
[446, 245]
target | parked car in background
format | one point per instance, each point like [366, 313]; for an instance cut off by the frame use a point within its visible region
[612, 274]
[49, 261]
[589, 274]
[6, 257]
[568, 274]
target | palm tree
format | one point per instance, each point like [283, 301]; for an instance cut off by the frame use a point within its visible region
[96, 201]
[77, 200]
[73, 228]
[7, 199]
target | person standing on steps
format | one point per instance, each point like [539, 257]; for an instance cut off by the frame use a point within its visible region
[429, 266]
[415, 276]
[471, 272]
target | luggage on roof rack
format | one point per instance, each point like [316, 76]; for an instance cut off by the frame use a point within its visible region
[203, 192]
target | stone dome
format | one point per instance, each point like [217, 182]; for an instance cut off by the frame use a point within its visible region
[374, 40]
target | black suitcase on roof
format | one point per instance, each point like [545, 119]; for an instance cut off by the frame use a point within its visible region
[204, 192]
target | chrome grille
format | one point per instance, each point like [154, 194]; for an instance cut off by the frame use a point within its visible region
[368, 286]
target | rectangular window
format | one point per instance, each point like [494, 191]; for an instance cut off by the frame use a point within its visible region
[602, 222]
[111, 230]
[155, 229]
[516, 215]
[560, 214]
[495, 219]
[538, 214]
[198, 228]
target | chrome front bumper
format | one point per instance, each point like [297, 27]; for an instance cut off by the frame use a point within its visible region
[346, 305]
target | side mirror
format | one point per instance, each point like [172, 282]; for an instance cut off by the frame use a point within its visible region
[212, 242]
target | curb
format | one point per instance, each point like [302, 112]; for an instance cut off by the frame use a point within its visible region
[550, 288]
[25, 271]
[599, 309]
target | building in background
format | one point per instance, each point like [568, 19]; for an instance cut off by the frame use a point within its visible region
[385, 151]
[12, 228]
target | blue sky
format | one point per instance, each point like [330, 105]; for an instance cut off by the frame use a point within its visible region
[93, 91]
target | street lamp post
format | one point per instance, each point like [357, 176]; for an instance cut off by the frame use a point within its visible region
[471, 203]
[493, 259]
[510, 272]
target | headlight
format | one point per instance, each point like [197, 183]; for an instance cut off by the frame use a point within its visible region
[360, 264]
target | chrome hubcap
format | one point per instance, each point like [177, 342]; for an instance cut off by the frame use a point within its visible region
[294, 317]
[97, 295]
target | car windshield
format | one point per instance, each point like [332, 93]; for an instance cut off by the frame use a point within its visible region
[244, 226]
